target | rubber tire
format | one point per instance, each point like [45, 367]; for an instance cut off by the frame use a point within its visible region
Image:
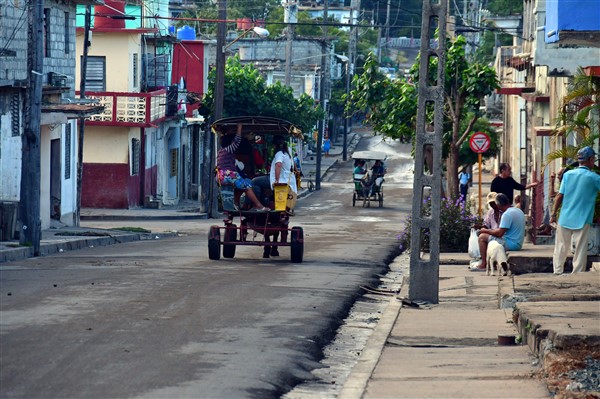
[297, 244]
[353, 199]
[214, 243]
[230, 235]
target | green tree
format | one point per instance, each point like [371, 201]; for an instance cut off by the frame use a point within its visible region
[578, 115]
[392, 105]
[246, 94]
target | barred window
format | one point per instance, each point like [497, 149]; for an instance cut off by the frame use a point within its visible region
[135, 157]
[67, 33]
[134, 66]
[67, 151]
[47, 32]
[174, 161]
[15, 115]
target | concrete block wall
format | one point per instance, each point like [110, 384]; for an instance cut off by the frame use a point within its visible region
[14, 36]
[62, 54]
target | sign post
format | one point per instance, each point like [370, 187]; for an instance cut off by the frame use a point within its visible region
[479, 143]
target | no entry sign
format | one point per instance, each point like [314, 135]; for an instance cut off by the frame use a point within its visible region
[480, 142]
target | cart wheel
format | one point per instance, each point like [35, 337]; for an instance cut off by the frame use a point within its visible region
[229, 236]
[297, 244]
[353, 199]
[214, 243]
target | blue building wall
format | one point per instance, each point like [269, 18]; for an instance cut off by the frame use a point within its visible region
[574, 15]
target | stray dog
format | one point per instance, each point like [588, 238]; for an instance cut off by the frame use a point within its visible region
[497, 259]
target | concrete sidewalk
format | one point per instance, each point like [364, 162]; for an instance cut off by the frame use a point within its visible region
[466, 346]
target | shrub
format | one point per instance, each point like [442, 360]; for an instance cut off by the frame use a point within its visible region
[455, 226]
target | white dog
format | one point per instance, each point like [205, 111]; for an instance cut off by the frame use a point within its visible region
[497, 259]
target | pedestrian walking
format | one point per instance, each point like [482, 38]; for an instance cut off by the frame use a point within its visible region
[505, 184]
[326, 145]
[576, 200]
[463, 180]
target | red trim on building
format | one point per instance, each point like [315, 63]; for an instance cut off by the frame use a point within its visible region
[121, 30]
[543, 131]
[592, 70]
[104, 185]
[536, 98]
[510, 90]
[519, 63]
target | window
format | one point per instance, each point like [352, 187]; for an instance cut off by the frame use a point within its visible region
[134, 66]
[95, 78]
[67, 34]
[135, 157]
[47, 23]
[15, 111]
[174, 162]
[67, 151]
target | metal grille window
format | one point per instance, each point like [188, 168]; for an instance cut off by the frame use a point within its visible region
[67, 34]
[67, 151]
[15, 115]
[47, 32]
[174, 161]
[95, 79]
[135, 157]
[134, 66]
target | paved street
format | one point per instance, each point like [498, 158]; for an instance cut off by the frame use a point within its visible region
[158, 319]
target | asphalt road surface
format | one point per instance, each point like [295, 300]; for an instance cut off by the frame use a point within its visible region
[158, 319]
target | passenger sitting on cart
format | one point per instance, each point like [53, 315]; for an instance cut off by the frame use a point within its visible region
[227, 171]
[374, 179]
[359, 173]
[359, 167]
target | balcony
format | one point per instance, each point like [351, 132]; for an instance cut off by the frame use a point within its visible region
[515, 71]
[129, 109]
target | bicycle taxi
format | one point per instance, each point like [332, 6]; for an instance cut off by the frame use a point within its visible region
[368, 175]
[241, 224]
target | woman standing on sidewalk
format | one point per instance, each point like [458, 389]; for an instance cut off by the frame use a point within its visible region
[326, 145]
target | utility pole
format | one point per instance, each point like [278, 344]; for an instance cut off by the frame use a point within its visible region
[290, 17]
[346, 117]
[81, 122]
[387, 27]
[424, 271]
[219, 95]
[29, 204]
[322, 97]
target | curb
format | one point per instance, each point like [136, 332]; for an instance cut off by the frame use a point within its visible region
[49, 248]
[356, 383]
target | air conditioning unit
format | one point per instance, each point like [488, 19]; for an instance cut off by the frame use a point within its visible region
[57, 79]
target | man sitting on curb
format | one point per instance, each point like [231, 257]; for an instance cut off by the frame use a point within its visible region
[510, 233]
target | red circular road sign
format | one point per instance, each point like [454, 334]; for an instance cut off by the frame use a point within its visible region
[480, 142]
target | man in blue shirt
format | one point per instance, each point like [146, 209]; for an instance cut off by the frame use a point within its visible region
[577, 195]
[510, 233]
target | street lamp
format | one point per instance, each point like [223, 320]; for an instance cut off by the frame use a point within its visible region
[261, 32]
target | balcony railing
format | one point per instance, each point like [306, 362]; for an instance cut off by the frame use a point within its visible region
[129, 109]
[515, 70]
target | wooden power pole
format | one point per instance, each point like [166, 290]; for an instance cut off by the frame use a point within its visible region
[29, 204]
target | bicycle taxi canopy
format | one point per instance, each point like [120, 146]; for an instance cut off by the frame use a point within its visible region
[369, 155]
[256, 125]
